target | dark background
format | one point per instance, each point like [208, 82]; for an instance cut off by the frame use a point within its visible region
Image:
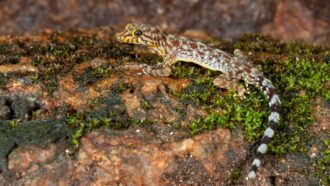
[307, 20]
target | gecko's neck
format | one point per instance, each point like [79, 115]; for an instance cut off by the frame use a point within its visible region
[159, 44]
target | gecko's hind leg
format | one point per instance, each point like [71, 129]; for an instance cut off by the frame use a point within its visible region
[239, 54]
[244, 60]
[225, 81]
[241, 58]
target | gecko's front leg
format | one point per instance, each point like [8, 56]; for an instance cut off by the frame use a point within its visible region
[165, 70]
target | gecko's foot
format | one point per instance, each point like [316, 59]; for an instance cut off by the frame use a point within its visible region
[143, 69]
[225, 83]
[239, 53]
[157, 71]
[240, 95]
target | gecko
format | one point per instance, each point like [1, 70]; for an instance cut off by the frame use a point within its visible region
[233, 67]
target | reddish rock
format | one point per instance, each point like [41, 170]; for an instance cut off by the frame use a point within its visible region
[322, 116]
[300, 20]
[157, 154]
[133, 157]
[25, 157]
[151, 154]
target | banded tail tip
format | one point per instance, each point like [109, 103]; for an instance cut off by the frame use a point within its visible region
[256, 162]
[274, 116]
[251, 175]
[262, 148]
[275, 99]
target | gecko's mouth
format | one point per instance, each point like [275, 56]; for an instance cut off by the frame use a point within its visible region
[128, 40]
[120, 37]
[124, 39]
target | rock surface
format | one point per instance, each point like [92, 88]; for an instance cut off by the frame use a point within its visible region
[129, 129]
[131, 157]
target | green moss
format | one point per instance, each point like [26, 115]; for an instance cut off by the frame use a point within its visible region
[248, 114]
[323, 164]
[3, 80]
[60, 53]
[102, 71]
[76, 122]
[35, 78]
[131, 145]
[74, 119]
[13, 123]
[297, 118]
[300, 73]
[202, 89]
[94, 123]
[82, 123]
[51, 85]
[176, 125]
[5, 49]
[146, 105]
[121, 87]
[77, 134]
[235, 175]
[108, 112]
[305, 74]
[259, 43]
[91, 75]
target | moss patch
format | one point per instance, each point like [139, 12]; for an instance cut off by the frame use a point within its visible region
[299, 72]
[323, 164]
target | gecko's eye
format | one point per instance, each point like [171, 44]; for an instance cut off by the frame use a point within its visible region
[137, 33]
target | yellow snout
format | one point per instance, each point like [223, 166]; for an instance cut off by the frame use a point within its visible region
[125, 38]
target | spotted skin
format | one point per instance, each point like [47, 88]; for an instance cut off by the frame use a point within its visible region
[233, 67]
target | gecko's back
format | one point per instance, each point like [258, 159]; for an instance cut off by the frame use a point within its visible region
[210, 58]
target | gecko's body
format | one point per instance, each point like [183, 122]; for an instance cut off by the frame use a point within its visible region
[233, 67]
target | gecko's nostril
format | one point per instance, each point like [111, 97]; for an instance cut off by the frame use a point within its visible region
[118, 37]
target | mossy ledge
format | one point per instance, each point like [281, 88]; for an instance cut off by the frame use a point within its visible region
[300, 73]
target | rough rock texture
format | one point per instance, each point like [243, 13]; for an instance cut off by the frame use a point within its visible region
[42, 91]
[58, 88]
[306, 20]
[303, 20]
[131, 157]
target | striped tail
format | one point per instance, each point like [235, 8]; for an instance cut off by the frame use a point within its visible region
[274, 107]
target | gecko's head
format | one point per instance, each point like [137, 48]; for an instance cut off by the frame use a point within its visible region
[139, 34]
